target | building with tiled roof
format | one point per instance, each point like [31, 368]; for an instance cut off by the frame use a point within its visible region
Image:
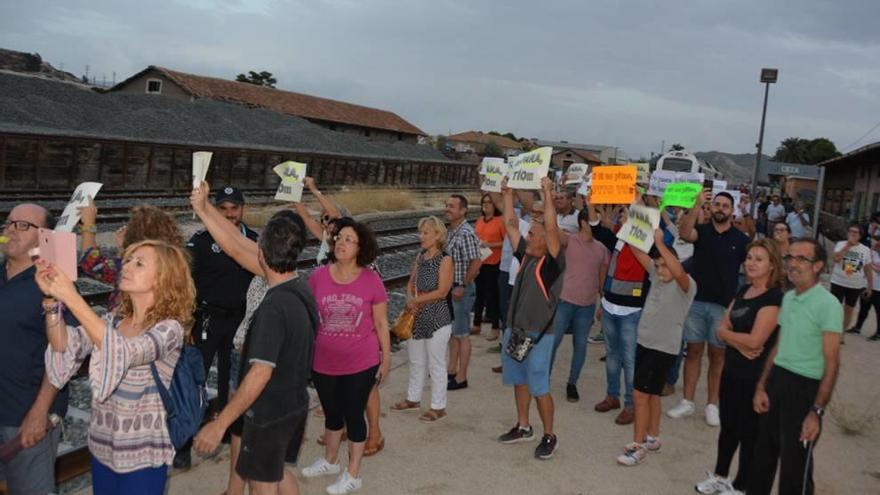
[335, 115]
[476, 142]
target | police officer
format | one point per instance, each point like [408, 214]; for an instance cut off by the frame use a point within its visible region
[221, 287]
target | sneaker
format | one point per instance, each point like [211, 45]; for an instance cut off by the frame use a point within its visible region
[321, 467]
[345, 483]
[517, 434]
[633, 454]
[547, 447]
[854, 330]
[733, 492]
[713, 416]
[684, 408]
[652, 443]
[571, 393]
[599, 338]
[713, 484]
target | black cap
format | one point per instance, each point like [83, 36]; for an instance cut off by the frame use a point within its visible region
[229, 193]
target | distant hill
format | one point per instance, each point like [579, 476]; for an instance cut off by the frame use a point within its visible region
[736, 168]
[32, 63]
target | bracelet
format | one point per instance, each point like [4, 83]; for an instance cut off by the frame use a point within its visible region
[88, 228]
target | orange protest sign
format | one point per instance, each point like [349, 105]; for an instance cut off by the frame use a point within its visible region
[614, 184]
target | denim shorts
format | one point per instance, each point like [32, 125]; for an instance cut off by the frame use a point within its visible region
[534, 371]
[461, 317]
[702, 323]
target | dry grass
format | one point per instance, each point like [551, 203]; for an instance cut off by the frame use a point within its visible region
[359, 199]
[854, 419]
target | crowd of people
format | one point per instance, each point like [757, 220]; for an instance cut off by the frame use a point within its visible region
[535, 266]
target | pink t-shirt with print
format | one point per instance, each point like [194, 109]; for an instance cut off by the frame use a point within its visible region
[347, 342]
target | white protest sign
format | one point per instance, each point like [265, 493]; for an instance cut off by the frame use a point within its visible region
[737, 197]
[638, 231]
[70, 216]
[495, 169]
[201, 162]
[292, 176]
[575, 173]
[584, 189]
[662, 178]
[527, 169]
[644, 173]
[718, 186]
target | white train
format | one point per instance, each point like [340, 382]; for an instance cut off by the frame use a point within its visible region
[685, 161]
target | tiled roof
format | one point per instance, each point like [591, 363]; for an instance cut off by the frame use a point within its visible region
[484, 138]
[586, 155]
[288, 102]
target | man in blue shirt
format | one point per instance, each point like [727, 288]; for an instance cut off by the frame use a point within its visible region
[28, 397]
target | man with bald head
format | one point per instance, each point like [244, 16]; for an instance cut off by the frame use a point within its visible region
[28, 397]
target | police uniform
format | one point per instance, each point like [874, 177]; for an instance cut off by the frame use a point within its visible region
[221, 287]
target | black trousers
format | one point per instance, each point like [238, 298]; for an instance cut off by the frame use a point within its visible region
[865, 306]
[791, 396]
[487, 296]
[344, 400]
[213, 332]
[739, 427]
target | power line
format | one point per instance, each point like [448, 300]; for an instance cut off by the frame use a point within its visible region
[857, 141]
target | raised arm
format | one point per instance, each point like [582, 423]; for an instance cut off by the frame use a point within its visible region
[328, 206]
[687, 232]
[511, 223]
[550, 227]
[88, 221]
[678, 274]
[315, 227]
[228, 237]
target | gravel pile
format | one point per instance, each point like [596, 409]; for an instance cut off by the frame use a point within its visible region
[36, 106]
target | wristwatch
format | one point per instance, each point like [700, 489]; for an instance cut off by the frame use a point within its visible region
[820, 411]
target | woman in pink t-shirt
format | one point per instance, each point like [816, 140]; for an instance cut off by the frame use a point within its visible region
[352, 348]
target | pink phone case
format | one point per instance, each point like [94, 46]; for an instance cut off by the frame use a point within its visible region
[59, 248]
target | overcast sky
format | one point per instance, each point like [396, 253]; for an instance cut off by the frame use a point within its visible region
[628, 73]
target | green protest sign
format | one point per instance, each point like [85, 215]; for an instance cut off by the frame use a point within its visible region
[682, 194]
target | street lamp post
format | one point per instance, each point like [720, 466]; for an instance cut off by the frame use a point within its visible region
[768, 77]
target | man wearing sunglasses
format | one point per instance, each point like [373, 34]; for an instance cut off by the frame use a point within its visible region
[27, 396]
[798, 377]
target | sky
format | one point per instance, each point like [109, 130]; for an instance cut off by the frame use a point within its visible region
[627, 73]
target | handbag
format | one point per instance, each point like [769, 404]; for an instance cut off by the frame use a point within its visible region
[520, 343]
[406, 320]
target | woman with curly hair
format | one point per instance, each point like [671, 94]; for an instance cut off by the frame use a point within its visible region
[128, 434]
[145, 222]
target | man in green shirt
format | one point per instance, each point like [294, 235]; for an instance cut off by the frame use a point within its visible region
[798, 378]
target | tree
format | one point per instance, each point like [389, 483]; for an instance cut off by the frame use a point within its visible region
[261, 78]
[440, 143]
[807, 151]
[676, 147]
[492, 149]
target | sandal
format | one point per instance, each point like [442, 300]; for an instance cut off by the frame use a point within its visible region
[433, 415]
[321, 441]
[406, 405]
[374, 448]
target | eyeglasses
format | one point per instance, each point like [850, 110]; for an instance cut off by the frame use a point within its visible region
[347, 240]
[800, 259]
[20, 225]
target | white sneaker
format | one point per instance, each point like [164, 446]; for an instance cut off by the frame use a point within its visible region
[652, 443]
[684, 408]
[345, 483]
[713, 484]
[733, 492]
[713, 416]
[321, 467]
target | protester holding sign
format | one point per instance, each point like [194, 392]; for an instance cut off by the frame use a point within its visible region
[526, 347]
[659, 340]
[145, 222]
[719, 250]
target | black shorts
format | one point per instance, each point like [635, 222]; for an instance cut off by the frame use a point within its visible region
[845, 294]
[266, 447]
[652, 366]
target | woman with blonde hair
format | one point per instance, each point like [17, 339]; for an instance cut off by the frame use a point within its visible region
[427, 292]
[145, 222]
[749, 329]
[128, 434]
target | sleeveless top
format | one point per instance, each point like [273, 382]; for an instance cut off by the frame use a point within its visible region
[435, 314]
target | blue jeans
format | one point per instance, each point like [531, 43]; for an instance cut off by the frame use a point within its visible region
[621, 333]
[461, 322]
[702, 322]
[579, 319]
